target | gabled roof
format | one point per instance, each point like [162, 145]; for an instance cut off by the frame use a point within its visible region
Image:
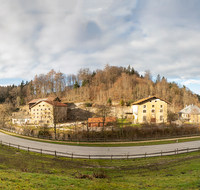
[149, 98]
[100, 120]
[54, 103]
[40, 99]
[57, 104]
[191, 109]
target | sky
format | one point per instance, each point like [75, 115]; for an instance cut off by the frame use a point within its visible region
[162, 36]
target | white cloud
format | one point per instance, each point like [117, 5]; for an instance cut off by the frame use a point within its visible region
[160, 36]
[191, 81]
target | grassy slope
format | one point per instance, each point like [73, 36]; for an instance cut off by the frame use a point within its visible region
[20, 170]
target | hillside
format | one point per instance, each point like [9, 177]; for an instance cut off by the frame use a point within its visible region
[112, 82]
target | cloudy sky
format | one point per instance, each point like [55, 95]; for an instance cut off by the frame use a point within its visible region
[162, 36]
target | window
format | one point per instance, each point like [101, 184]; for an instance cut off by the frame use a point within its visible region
[37, 113]
[144, 118]
[152, 106]
[45, 109]
[49, 113]
[39, 105]
[152, 111]
[43, 105]
[37, 109]
[144, 111]
[155, 100]
[47, 121]
[161, 106]
[144, 106]
[161, 110]
[49, 108]
[33, 109]
[161, 118]
[41, 109]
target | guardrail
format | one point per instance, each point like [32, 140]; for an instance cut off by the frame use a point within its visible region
[125, 156]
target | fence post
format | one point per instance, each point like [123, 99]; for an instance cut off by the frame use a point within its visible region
[28, 150]
[41, 151]
[145, 155]
[9, 145]
[89, 157]
[1, 143]
[127, 156]
[161, 153]
[111, 157]
[187, 150]
[72, 155]
[177, 150]
[55, 153]
[18, 147]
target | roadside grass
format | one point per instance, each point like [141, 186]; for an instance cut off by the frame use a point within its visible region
[20, 170]
[122, 122]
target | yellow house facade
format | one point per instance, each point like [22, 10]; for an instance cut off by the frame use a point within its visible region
[150, 110]
[48, 112]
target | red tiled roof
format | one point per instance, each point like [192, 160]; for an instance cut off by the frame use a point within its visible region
[40, 99]
[100, 119]
[57, 104]
[36, 100]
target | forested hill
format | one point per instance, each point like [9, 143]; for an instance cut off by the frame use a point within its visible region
[98, 86]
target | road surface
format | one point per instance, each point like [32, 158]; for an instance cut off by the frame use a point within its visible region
[99, 151]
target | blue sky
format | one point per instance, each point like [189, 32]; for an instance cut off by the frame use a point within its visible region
[162, 36]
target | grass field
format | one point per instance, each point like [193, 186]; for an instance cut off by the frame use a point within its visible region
[20, 170]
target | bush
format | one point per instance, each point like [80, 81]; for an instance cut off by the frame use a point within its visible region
[129, 103]
[109, 101]
[121, 103]
[44, 131]
[87, 104]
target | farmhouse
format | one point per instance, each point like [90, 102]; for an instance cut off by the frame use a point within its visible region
[34, 101]
[151, 110]
[190, 114]
[48, 112]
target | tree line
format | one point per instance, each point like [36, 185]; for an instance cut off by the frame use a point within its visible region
[112, 83]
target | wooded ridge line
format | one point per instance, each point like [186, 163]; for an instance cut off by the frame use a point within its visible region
[112, 84]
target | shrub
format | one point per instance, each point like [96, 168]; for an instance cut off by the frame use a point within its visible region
[109, 101]
[87, 104]
[121, 103]
[129, 103]
[44, 131]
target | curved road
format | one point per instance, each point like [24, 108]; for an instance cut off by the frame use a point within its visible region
[83, 150]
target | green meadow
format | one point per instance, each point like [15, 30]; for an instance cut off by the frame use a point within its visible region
[20, 170]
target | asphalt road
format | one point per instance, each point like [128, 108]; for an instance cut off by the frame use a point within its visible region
[83, 150]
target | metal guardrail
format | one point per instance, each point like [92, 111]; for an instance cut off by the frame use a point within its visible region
[125, 156]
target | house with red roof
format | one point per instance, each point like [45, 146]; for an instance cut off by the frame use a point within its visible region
[47, 111]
